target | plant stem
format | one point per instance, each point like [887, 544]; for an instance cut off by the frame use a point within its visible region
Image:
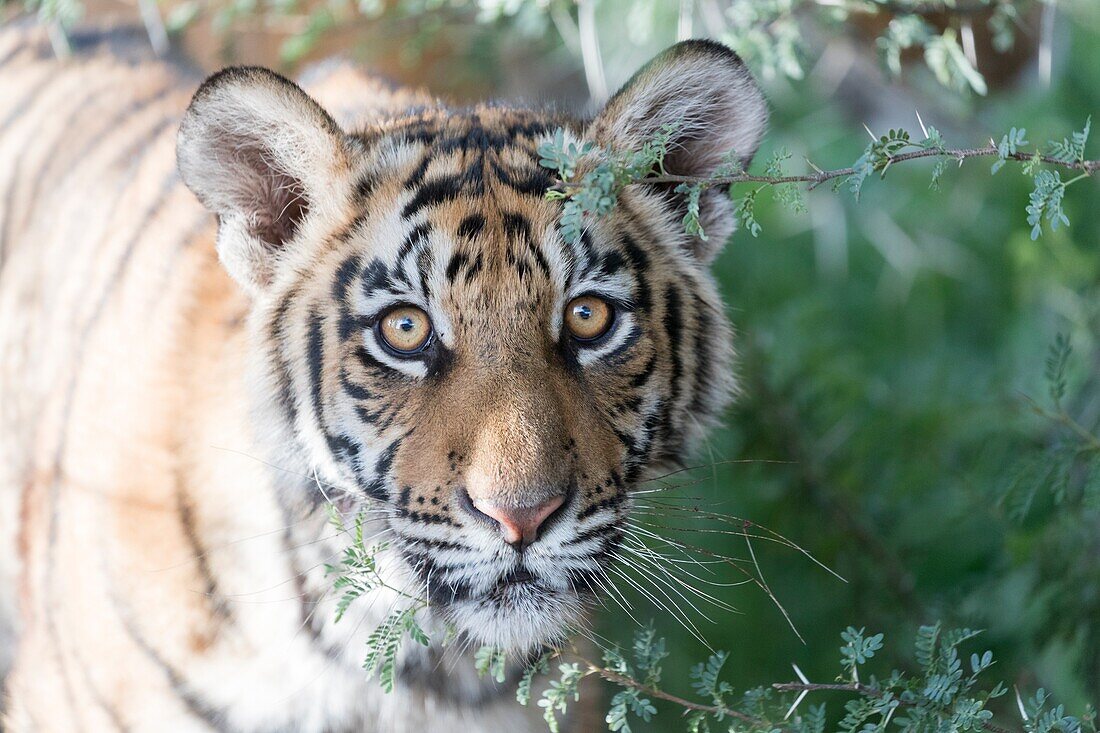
[1088, 167]
[861, 689]
[1063, 418]
[619, 679]
[853, 687]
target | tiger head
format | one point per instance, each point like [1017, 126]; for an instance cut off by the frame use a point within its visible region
[427, 340]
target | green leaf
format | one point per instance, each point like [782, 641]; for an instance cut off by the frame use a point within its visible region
[745, 212]
[1072, 149]
[1009, 145]
[950, 65]
[492, 661]
[690, 222]
[1045, 202]
[541, 665]
[1056, 363]
[857, 648]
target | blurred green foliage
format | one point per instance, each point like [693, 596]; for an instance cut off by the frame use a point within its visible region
[889, 351]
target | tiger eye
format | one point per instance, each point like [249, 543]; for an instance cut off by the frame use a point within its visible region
[405, 329]
[588, 317]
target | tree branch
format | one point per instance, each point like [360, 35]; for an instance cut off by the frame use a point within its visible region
[815, 179]
[624, 681]
[857, 688]
[861, 689]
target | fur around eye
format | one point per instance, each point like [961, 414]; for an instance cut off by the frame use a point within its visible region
[589, 317]
[405, 330]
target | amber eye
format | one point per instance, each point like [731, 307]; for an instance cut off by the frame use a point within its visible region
[405, 329]
[588, 317]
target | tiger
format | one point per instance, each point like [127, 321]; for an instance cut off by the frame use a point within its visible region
[228, 314]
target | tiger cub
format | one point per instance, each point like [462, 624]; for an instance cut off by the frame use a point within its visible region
[218, 319]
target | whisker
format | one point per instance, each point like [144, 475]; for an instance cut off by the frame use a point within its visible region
[657, 560]
[772, 535]
[664, 579]
[652, 555]
[768, 590]
[713, 464]
[682, 618]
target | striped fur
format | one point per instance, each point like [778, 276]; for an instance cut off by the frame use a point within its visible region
[179, 398]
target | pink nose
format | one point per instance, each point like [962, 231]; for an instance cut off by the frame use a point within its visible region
[519, 525]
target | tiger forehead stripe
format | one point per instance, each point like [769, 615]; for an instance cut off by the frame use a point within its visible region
[478, 145]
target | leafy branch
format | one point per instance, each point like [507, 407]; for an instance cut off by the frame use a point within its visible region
[1068, 467]
[770, 33]
[945, 694]
[816, 178]
[357, 574]
[608, 172]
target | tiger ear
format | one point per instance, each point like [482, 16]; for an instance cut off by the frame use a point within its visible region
[264, 157]
[704, 92]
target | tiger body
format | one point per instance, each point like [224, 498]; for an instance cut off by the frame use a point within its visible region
[178, 405]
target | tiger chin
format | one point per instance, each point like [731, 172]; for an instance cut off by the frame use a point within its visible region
[222, 313]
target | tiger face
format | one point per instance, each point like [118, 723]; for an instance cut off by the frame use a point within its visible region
[429, 343]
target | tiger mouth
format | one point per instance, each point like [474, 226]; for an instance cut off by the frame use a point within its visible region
[519, 576]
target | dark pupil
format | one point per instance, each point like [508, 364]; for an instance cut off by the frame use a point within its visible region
[406, 324]
[583, 311]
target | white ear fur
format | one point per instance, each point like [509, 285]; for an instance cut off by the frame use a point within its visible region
[707, 93]
[264, 157]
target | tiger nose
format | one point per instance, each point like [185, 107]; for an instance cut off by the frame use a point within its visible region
[519, 525]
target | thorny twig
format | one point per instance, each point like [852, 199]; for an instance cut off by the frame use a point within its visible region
[815, 179]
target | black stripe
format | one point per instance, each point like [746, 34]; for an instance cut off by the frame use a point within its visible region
[458, 259]
[204, 711]
[608, 503]
[617, 356]
[431, 544]
[219, 605]
[341, 446]
[471, 226]
[540, 258]
[418, 234]
[376, 276]
[424, 264]
[415, 178]
[474, 269]
[639, 379]
[345, 275]
[674, 329]
[376, 488]
[364, 187]
[353, 389]
[515, 225]
[640, 262]
[610, 263]
[704, 359]
[645, 444]
[533, 181]
[283, 380]
[435, 191]
[368, 360]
